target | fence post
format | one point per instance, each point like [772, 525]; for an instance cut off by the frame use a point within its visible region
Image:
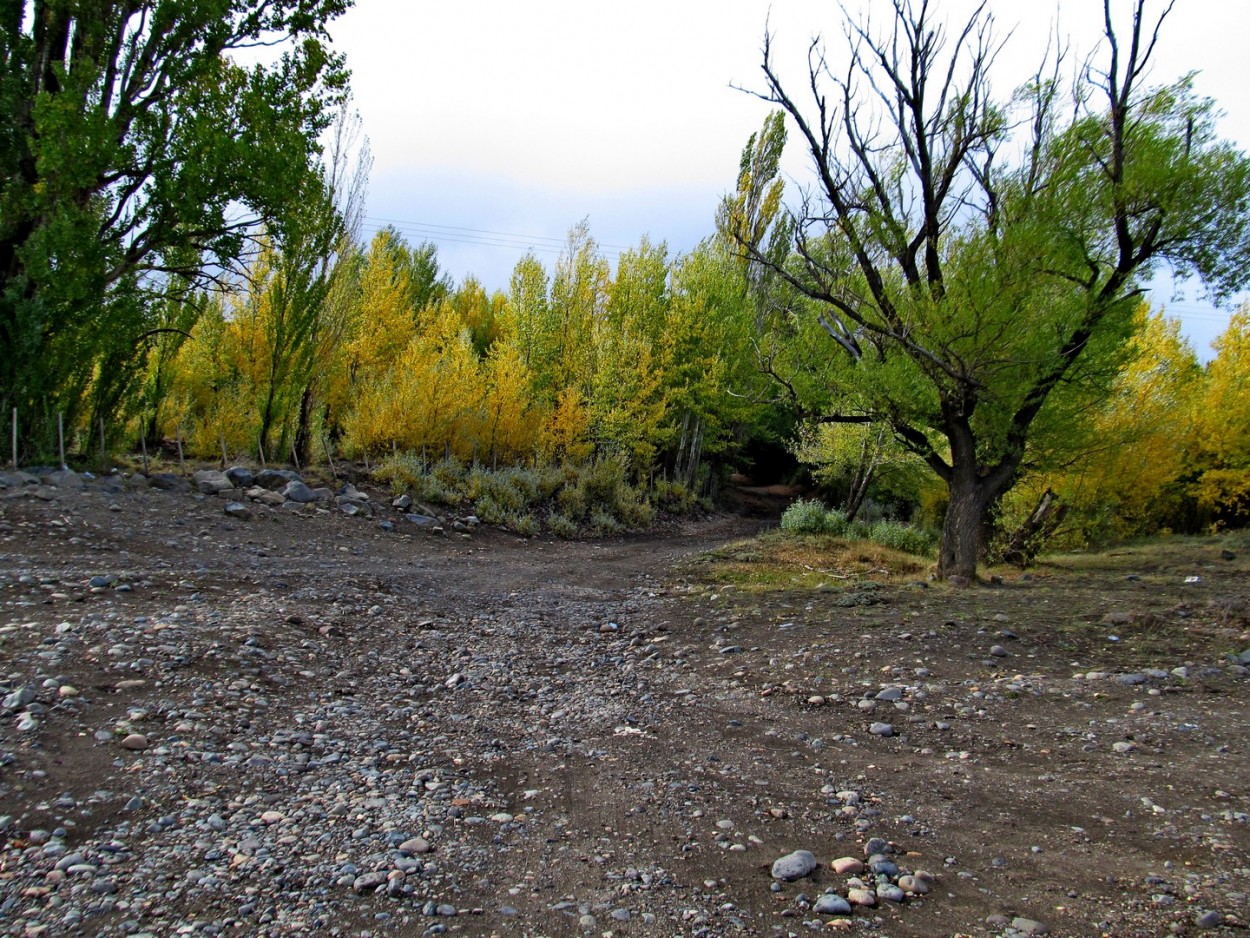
[182, 466]
[60, 435]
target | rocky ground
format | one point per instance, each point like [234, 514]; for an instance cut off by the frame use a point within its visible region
[319, 717]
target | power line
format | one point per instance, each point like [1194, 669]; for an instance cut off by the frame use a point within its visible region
[463, 231]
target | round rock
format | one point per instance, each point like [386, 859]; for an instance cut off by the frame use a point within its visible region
[794, 865]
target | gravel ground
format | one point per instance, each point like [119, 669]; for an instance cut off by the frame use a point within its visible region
[293, 722]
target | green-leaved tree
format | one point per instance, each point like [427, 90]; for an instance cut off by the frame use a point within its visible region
[978, 261]
[137, 147]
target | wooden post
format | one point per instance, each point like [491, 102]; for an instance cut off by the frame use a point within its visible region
[295, 458]
[143, 445]
[15, 439]
[103, 449]
[60, 435]
[221, 438]
[330, 459]
[261, 450]
[182, 466]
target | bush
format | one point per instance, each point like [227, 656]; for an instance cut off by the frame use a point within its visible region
[524, 525]
[901, 537]
[811, 517]
[562, 526]
[602, 523]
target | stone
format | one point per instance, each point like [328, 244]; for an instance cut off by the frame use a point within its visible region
[296, 491]
[877, 845]
[890, 893]
[211, 481]
[1028, 926]
[830, 904]
[847, 866]
[238, 511]
[19, 698]
[794, 866]
[861, 897]
[414, 846]
[135, 742]
[403, 502]
[275, 479]
[998, 651]
[890, 693]
[241, 477]
[961, 582]
[913, 885]
[169, 482]
[65, 479]
[1212, 918]
[881, 729]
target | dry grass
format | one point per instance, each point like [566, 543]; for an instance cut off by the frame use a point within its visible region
[777, 561]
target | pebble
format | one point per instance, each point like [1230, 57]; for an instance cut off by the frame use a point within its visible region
[794, 865]
[831, 904]
[847, 866]
[135, 741]
[881, 729]
[1028, 926]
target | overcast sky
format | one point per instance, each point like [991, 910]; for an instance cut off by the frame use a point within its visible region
[496, 125]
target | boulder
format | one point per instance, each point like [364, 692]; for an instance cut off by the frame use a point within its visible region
[241, 477]
[297, 491]
[211, 482]
[169, 482]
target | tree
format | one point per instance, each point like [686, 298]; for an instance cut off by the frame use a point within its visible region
[1223, 444]
[977, 261]
[136, 149]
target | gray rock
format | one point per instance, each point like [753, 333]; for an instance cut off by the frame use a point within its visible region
[169, 482]
[1131, 679]
[881, 729]
[135, 742]
[65, 479]
[21, 697]
[1028, 926]
[998, 651]
[794, 866]
[422, 520]
[891, 693]
[403, 502]
[890, 893]
[830, 904]
[368, 882]
[241, 477]
[275, 479]
[1212, 918]
[211, 481]
[238, 511]
[876, 845]
[15, 480]
[296, 491]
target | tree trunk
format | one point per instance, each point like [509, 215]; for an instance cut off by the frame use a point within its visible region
[962, 528]
[303, 429]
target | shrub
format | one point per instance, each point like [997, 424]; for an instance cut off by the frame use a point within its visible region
[524, 525]
[901, 537]
[810, 517]
[562, 525]
[602, 523]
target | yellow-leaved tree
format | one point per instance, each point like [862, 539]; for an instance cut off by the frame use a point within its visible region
[1222, 450]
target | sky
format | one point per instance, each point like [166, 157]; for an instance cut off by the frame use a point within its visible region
[496, 125]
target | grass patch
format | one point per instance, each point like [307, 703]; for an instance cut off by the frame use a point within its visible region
[782, 561]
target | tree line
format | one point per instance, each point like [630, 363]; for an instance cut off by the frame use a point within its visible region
[947, 322]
